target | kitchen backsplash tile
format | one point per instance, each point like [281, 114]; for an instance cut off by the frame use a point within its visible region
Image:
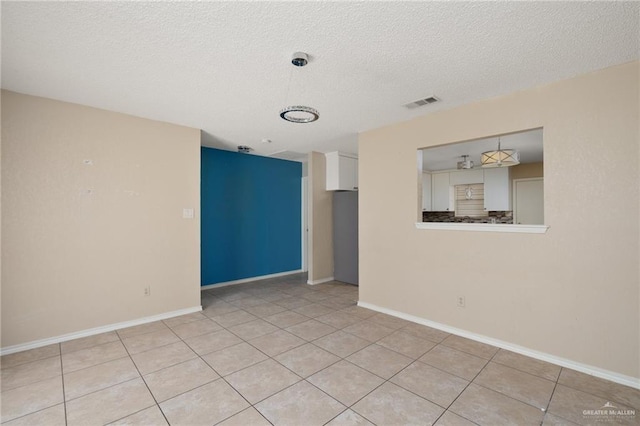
[498, 216]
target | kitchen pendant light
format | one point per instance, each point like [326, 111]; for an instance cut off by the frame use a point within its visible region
[465, 163]
[500, 157]
[299, 113]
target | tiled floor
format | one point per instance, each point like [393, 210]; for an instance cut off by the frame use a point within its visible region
[285, 353]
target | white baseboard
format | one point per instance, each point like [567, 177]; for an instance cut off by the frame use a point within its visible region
[246, 280]
[93, 331]
[320, 281]
[563, 362]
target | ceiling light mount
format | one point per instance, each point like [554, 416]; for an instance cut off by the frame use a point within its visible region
[299, 113]
[300, 59]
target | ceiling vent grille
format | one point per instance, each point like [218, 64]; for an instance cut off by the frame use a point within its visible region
[422, 102]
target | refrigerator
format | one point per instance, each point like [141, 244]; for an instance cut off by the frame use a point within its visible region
[345, 236]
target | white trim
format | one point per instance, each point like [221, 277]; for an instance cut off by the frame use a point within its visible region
[483, 227]
[305, 227]
[97, 330]
[563, 362]
[247, 280]
[320, 281]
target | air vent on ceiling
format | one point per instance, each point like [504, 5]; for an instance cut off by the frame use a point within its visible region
[422, 102]
[245, 149]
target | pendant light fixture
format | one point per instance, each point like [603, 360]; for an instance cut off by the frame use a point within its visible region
[299, 113]
[500, 158]
[465, 163]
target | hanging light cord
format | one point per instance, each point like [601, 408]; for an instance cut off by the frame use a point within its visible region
[286, 98]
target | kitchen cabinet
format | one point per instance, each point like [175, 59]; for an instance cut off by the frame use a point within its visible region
[426, 192]
[466, 177]
[497, 189]
[440, 192]
[342, 171]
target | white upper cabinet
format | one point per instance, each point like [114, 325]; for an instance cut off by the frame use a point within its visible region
[440, 192]
[426, 192]
[497, 189]
[342, 171]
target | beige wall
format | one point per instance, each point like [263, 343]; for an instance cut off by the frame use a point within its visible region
[572, 292]
[525, 171]
[72, 261]
[320, 220]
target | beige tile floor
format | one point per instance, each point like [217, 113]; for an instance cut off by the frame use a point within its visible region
[284, 353]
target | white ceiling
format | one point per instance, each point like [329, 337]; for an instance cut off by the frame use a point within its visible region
[445, 157]
[224, 67]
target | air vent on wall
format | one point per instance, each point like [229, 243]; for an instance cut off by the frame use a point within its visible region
[422, 102]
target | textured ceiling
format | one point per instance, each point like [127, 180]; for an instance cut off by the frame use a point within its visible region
[224, 67]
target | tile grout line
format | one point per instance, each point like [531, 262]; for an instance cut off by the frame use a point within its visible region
[515, 399]
[303, 379]
[64, 404]
[527, 372]
[546, 410]
[98, 364]
[445, 371]
[39, 380]
[593, 394]
[27, 362]
[469, 384]
[64, 396]
[221, 377]
[384, 381]
[143, 381]
[420, 396]
[446, 409]
[115, 384]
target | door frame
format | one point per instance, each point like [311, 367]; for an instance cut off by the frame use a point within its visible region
[514, 198]
[304, 240]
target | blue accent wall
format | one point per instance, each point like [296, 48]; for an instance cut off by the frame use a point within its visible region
[250, 216]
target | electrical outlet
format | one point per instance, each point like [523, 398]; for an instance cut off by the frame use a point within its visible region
[461, 301]
[147, 290]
